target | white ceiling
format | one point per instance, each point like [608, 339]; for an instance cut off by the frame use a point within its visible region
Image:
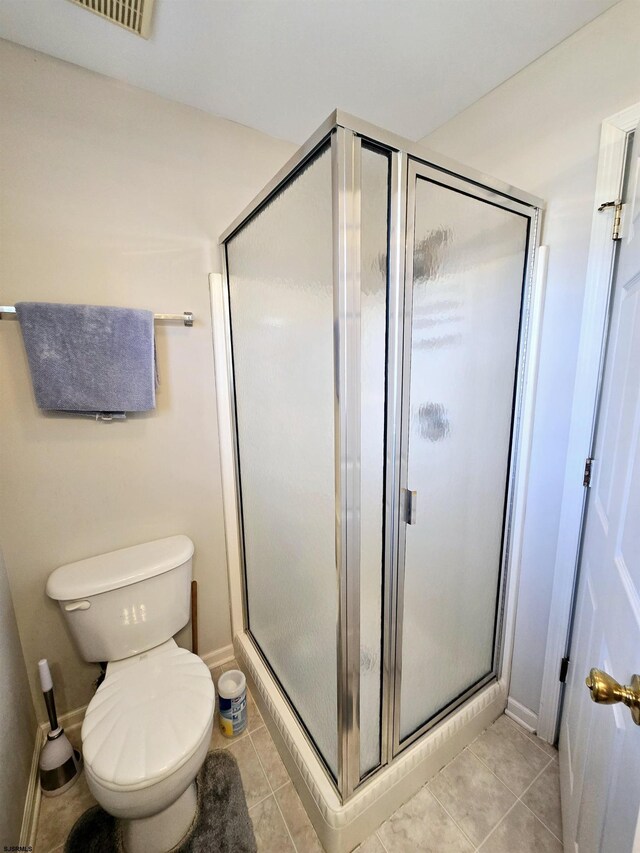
[282, 66]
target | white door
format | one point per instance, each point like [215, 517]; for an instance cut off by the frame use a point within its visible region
[600, 744]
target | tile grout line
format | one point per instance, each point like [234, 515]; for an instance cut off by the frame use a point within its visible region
[284, 820]
[446, 811]
[504, 783]
[520, 800]
[284, 785]
[529, 735]
[382, 844]
[260, 762]
[232, 741]
[513, 793]
[535, 779]
[502, 819]
[259, 802]
[247, 736]
[273, 791]
[538, 818]
[484, 763]
[266, 797]
[442, 769]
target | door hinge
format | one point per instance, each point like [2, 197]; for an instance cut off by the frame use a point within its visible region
[564, 666]
[588, 465]
[618, 210]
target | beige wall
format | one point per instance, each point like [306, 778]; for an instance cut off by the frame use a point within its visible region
[540, 131]
[17, 721]
[111, 195]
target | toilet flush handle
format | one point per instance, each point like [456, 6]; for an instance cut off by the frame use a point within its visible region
[77, 605]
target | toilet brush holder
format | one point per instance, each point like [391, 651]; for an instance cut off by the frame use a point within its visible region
[60, 764]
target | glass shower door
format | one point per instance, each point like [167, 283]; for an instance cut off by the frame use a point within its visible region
[281, 305]
[466, 260]
[309, 343]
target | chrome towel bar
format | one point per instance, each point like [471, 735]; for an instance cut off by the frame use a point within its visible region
[186, 317]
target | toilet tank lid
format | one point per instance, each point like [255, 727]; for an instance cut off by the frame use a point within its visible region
[118, 568]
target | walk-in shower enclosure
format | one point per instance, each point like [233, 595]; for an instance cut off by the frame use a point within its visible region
[378, 305]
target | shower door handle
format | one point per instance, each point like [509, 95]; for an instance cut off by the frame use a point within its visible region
[410, 503]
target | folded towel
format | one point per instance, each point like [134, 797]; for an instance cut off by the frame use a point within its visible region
[89, 359]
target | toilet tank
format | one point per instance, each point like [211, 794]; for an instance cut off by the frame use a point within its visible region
[125, 602]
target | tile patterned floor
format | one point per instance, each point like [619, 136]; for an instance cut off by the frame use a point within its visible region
[279, 819]
[500, 795]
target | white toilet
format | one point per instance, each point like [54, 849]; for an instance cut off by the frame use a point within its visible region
[147, 730]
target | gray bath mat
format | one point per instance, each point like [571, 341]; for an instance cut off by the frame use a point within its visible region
[222, 823]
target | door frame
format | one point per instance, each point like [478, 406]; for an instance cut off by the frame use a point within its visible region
[593, 335]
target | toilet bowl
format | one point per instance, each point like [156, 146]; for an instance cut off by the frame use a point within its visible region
[147, 730]
[145, 735]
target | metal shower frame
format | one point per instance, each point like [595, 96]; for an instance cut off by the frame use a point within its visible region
[346, 134]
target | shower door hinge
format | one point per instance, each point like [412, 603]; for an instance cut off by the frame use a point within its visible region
[618, 210]
[588, 464]
[410, 501]
[564, 666]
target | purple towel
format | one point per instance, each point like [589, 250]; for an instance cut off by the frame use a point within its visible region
[89, 359]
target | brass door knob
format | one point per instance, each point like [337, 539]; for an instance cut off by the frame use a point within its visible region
[606, 691]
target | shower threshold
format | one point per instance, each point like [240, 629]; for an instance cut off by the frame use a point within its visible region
[342, 826]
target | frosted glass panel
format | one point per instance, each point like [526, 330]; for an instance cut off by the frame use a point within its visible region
[281, 292]
[468, 261]
[373, 330]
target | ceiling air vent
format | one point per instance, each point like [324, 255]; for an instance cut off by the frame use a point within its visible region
[133, 15]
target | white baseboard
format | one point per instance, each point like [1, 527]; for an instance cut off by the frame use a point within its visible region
[527, 718]
[67, 721]
[32, 799]
[219, 656]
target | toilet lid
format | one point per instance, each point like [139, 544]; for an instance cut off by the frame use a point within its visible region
[148, 717]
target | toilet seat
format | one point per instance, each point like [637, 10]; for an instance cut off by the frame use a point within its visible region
[148, 718]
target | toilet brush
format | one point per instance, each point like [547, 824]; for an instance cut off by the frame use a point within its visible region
[60, 763]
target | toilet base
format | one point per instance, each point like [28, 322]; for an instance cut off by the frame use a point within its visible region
[162, 831]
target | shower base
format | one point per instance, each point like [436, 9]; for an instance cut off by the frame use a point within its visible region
[342, 826]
